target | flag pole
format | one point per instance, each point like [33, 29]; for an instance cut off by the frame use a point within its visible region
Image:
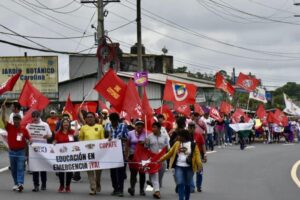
[89, 93]
[248, 102]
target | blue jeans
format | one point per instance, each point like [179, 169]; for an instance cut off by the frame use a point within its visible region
[184, 176]
[228, 135]
[17, 165]
[210, 142]
[199, 178]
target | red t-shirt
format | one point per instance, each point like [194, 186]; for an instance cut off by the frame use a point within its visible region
[16, 137]
[60, 137]
[199, 139]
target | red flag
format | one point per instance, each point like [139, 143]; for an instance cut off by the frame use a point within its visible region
[198, 109]
[148, 111]
[143, 154]
[112, 88]
[261, 112]
[180, 92]
[270, 117]
[102, 105]
[222, 84]
[32, 98]
[132, 102]
[166, 112]
[214, 113]
[27, 117]
[182, 109]
[225, 107]
[10, 83]
[236, 116]
[280, 118]
[247, 82]
[89, 106]
[69, 109]
[113, 110]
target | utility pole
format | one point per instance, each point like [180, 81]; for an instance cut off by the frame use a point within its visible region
[139, 40]
[100, 33]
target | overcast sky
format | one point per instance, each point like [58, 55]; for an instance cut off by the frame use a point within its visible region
[257, 36]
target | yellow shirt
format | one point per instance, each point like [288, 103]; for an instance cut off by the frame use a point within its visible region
[95, 132]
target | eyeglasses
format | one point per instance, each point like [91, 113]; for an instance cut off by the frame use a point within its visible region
[34, 116]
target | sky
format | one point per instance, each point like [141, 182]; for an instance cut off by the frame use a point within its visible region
[257, 36]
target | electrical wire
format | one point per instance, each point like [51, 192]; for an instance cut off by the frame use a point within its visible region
[47, 38]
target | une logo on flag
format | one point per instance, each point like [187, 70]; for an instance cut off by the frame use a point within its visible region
[180, 91]
[248, 83]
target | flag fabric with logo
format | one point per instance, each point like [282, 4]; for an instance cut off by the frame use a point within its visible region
[258, 94]
[10, 83]
[166, 112]
[112, 88]
[214, 113]
[247, 82]
[182, 109]
[236, 116]
[176, 91]
[32, 98]
[70, 109]
[280, 118]
[222, 84]
[225, 107]
[132, 102]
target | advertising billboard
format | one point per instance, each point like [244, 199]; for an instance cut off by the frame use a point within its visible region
[41, 71]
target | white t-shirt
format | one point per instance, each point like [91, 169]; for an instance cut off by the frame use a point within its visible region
[12, 115]
[164, 132]
[209, 128]
[38, 131]
[184, 151]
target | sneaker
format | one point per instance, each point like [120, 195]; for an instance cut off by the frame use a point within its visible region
[199, 189]
[92, 192]
[131, 191]
[114, 193]
[61, 189]
[68, 189]
[142, 193]
[149, 183]
[43, 187]
[156, 195]
[15, 188]
[120, 194]
[20, 188]
[35, 189]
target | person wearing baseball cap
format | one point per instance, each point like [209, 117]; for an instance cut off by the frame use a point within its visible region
[16, 139]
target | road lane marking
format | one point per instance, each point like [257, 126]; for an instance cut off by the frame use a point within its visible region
[4, 169]
[209, 152]
[294, 173]
[288, 144]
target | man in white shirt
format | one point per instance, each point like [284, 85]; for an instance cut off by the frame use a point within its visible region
[39, 132]
[16, 109]
[209, 122]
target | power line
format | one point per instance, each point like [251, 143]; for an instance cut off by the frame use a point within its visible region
[37, 23]
[43, 6]
[24, 37]
[47, 38]
[49, 17]
[44, 50]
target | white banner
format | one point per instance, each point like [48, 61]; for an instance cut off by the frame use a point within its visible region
[76, 156]
[259, 94]
[241, 126]
[290, 107]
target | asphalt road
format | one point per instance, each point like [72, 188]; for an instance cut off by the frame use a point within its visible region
[258, 173]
